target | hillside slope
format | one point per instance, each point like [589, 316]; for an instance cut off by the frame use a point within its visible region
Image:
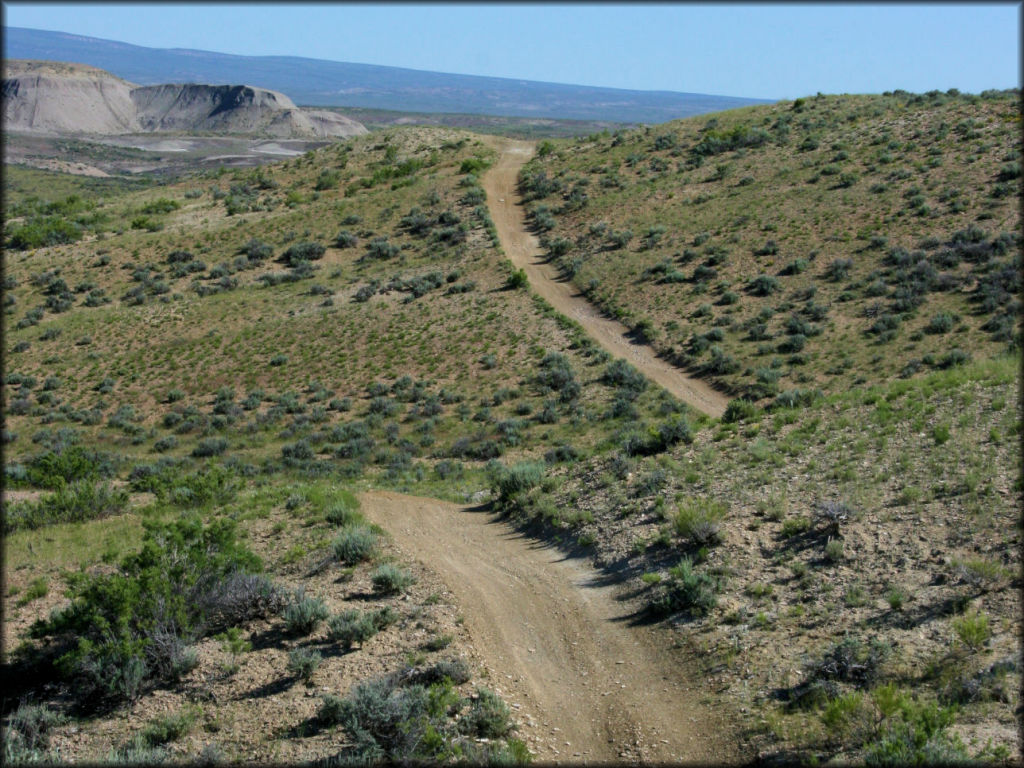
[249, 343]
[814, 244]
[524, 252]
[39, 96]
[838, 557]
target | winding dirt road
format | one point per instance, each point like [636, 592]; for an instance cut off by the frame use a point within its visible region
[591, 686]
[523, 250]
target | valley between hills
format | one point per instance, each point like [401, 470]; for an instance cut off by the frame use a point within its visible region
[688, 442]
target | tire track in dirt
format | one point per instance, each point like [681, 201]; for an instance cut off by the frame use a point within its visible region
[591, 687]
[523, 250]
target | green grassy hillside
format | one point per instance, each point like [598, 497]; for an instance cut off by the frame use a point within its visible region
[840, 551]
[842, 548]
[815, 244]
[260, 303]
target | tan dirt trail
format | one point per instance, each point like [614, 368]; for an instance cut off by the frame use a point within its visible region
[589, 685]
[523, 250]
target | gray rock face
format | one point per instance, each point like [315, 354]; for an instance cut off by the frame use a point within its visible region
[65, 100]
[54, 98]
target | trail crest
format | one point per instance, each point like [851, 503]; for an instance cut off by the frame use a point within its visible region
[523, 250]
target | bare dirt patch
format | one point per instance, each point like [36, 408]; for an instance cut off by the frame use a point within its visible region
[62, 166]
[589, 682]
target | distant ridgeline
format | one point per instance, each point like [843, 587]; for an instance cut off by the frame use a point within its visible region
[331, 83]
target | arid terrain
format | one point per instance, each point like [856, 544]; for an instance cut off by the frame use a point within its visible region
[564, 640]
[524, 251]
[54, 98]
[697, 442]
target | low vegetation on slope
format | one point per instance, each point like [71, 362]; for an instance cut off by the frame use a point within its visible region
[227, 343]
[848, 568]
[841, 549]
[813, 244]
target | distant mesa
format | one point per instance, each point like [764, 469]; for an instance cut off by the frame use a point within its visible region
[61, 98]
[321, 83]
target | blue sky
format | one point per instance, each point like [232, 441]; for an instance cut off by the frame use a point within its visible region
[772, 51]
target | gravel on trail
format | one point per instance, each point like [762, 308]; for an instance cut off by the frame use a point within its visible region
[587, 682]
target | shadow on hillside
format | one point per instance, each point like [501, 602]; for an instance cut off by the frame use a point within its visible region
[920, 613]
[638, 336]
[272, 637]
[311, 726]
[800, 542]
[616, 573]
[645, 617]
[272, 688]
[363, 596]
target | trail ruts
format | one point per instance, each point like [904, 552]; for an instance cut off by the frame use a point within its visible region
[523, 250]
[591, 684]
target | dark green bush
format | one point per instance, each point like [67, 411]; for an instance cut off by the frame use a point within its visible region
[160, 205]
[55, 469]
[167, 728]
[302, 253]
[328, 179]
[795, 267]
[739, 410]
[535, 186]
[763, 285]
[625, 377]
[792, 343]
[556, 376]
[257, 251]
[303, 662]
[508, 483]
[941, 323]
[390, 579]
[117, 622]
[699, 521]
[346, 239]
[686, 589]
[561, 453]
[380, 249]
[385, 722]
[794, 398]
[43, 232]
[473, 165]
[721, 362]
[216, 484]
[344, 512]
[838, 270]
[953, 358]
[210, 446]
[517, 279]
[716, 141]
[850, 660]
[488, 717]
[657, 439]
[147, 223]
[27, 733]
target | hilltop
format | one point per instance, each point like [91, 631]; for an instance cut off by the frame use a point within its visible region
[808, 245]
[63, 98]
